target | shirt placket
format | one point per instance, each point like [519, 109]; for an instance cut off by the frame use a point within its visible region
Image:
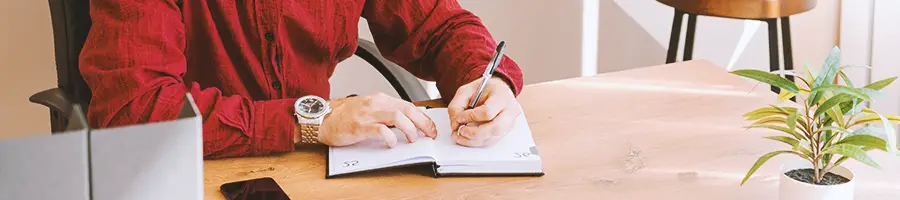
[269, 12]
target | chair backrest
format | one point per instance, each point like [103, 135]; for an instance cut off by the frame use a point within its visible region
[71, 24]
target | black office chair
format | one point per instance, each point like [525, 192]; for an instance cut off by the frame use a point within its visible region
[71, 24]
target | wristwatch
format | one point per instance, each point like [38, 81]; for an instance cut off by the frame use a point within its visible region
[310, 111]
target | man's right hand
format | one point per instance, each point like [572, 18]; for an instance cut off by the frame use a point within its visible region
[355, 119]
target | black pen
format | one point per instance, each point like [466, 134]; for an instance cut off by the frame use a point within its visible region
[489, 72]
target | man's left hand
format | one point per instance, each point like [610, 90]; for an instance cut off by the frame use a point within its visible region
[494, 115]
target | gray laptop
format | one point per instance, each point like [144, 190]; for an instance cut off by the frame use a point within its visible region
[47, 166]
[161, 160]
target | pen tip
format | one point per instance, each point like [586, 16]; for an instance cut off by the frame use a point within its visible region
[500, 46]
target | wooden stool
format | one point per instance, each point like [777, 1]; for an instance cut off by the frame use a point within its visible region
[769, 11]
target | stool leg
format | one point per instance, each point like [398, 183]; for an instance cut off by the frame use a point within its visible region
[786, 44]
[773, 48]
[689, 37]
[674, 36]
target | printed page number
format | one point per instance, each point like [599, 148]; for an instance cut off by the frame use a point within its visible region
[350, 163]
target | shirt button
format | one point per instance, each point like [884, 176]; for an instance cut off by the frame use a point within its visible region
[276, 85]
[270, 36]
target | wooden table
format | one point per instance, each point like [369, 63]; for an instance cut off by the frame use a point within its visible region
[662, 132]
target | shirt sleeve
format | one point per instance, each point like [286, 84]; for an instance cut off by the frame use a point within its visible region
[436, 40]
[133, 61]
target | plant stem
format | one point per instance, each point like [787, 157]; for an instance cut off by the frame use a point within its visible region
[814, 142]
[816, 172]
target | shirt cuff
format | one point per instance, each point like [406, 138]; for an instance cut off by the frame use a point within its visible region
[273, 123]
[508, 71]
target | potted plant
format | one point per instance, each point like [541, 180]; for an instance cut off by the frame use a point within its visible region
[827, 125]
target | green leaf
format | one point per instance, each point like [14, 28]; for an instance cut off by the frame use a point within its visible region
[809, 73]
[840, 160]
[772, 109]
[764, 115]
[845, 78]
[878, 85]
[791, 120]
[762, 160]
[768, 78]
[872, 118]
[854, 152]
[779, 128]
[866, 141]
[768, 111]
[827, 136]
[835, 116]
[867, 130]
[834, 129]
[890, 134]
[855, 66]
[873, 94]
[802, 149]
[784, 95]
[787, 140]
[784, 110]
[853, 110]
[829, 69]
[840, 89]
[779, 120]
[831, 102]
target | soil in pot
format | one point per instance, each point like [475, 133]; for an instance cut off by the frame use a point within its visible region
[806, 176]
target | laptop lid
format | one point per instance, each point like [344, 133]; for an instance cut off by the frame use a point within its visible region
[161, 160]
[48, 166]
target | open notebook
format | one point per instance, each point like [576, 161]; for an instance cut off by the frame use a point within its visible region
[514, 155]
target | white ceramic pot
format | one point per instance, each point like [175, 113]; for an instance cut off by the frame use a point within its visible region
[790, 189]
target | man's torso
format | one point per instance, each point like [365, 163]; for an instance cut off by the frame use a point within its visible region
[268, 49]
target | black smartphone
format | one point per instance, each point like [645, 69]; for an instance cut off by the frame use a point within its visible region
[255, 189]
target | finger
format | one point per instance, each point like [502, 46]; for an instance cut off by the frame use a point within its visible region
[458, 104]
[506, 120]
[503, 124]
[469, 142]
[470, 131]
[489, 133]
[385, 134]
[399, 120]
[420, 120]
[483, 113]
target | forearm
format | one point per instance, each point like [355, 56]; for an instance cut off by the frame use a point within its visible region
[448, 45]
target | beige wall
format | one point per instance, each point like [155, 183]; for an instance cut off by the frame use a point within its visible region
[26, 66]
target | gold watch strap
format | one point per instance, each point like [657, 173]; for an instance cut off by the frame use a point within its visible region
[309, 133]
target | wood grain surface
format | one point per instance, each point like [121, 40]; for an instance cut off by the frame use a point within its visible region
[743, 9]
[662, 132]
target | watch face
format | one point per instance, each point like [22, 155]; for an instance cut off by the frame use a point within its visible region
[311, 107]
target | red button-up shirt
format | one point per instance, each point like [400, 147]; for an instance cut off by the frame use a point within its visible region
[246, 61]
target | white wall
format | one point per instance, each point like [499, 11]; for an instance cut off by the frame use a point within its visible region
[543, 36]
[869, 37]
[635, 33]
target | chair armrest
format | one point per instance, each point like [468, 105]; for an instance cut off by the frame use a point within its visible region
[407, 86]
[54, 99]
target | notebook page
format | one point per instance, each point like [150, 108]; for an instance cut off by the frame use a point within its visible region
[374, 153]
[518, 144]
